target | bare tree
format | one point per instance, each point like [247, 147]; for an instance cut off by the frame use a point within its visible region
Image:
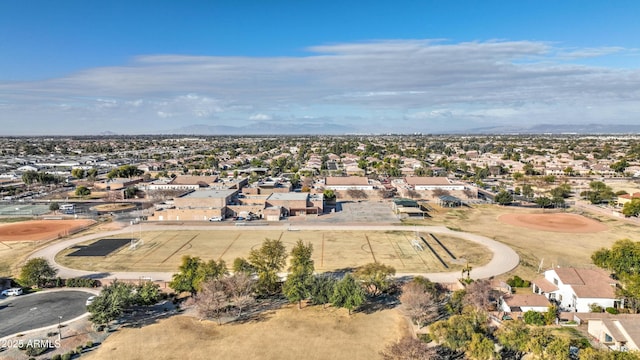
[408, 348]
[418, 303]
[440, 192]
[239, 288]
[481, 295]
[357, 194]
[212, 301]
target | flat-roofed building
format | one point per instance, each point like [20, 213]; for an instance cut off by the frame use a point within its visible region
[198, 205]
[432, 183]
[295, 204]
[347, 183]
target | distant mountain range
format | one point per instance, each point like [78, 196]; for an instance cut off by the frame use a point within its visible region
[558, 129]
[264, 128]
[323, 128]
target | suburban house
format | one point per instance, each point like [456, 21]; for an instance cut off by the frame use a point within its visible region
[621, 333]
[524, 302]
[625, 198]
[576, 289]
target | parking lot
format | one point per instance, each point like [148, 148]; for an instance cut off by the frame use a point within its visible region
[376, 212]
[27, 312]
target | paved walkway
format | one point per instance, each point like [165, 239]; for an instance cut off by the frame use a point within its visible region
[504, 258]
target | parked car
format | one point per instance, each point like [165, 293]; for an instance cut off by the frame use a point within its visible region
[12, 292]
[216, 218]
[90, 300]
[239, 218]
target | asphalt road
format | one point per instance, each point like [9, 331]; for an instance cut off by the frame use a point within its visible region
[33, 311]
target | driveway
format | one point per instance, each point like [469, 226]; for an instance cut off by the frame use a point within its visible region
[34, 311]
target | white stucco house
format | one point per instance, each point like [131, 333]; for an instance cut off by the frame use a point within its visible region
[621, 333]
[524, 302]
[576, 289]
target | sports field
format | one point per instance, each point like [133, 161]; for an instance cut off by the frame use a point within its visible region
[163, 250]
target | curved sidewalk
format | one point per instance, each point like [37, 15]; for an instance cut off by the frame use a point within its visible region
[504, 258]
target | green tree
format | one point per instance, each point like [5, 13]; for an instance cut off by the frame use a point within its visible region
[82, 191]
[186, 278]
[268, 260]
[329, 194]
[111, 303]
[210, 270]
[243, 266]
[130, 192]
[375, 277]
[543, 201]
[619, 166]
[322, 288]
[457, 332]
[348, 294]
[481, 348]
[503, 198]
[527, 191]
[631, 208]
[37, 272]
[78, 173]
[54, 206]
[534, 318]
[148, 293]
[514, 335]
[298, 284]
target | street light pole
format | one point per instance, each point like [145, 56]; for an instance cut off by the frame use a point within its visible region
[59, 328]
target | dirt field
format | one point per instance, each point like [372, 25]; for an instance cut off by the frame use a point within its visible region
[289, 333]
[162, 250]
[536, 246]
[38, 230]
[113, 207]
[558, 222]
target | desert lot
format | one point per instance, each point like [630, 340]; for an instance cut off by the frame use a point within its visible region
[288, 333]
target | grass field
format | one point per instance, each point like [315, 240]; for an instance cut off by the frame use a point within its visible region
[311, 333]
[163, 250]
[535, 246]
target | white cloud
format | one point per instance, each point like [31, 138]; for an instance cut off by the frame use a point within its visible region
[416, 81]
[260, 117]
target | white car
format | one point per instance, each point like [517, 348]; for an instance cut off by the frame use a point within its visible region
[12, 292]
[90, 300]
[217, 218]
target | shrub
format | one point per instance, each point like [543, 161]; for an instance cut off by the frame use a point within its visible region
[595, 308]
[534, 318]
[66, 356]
[518, 282]
[36, 349]
[82, 282]
[611, 310]
[89, 344]
[56, 357]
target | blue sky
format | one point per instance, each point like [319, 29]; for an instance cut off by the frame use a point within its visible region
[84, 67]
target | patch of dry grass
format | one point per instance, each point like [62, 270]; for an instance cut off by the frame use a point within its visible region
[163, 250]
[534, 246]
[288, 333]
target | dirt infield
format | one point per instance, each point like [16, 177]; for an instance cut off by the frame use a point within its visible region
[559, 222]
[37, 230]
